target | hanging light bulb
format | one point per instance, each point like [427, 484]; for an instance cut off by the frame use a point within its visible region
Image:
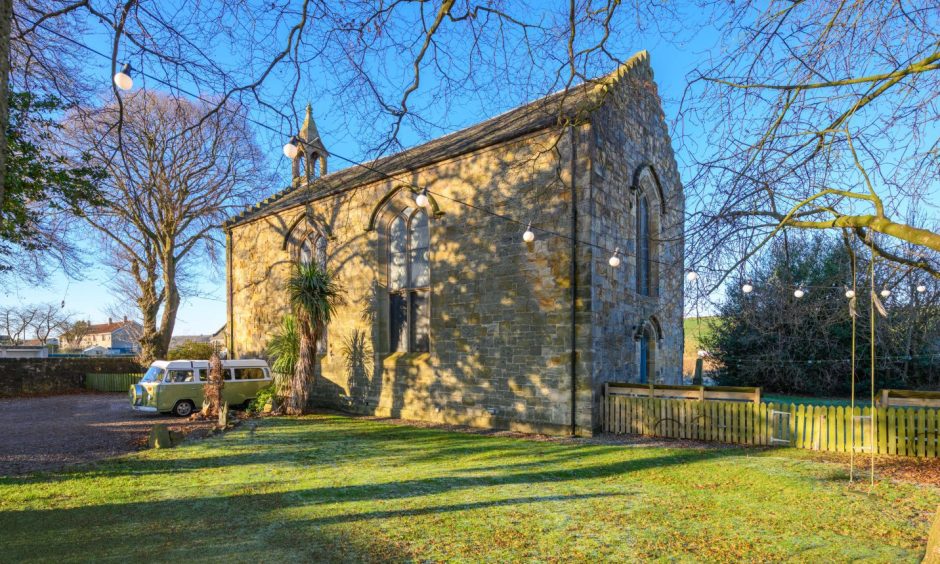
[850, 294]
[292, 148]
[422, 199]
[747, 288]
[614, 260]
[122, 78]
[921, 288]
[692, 276]
[799, 293]
[528, 236]
[885, 293]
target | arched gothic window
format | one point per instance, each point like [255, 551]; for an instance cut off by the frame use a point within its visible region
[643, 247]
[309, 249]
[646, 359]
[409, 282]
[312, 248]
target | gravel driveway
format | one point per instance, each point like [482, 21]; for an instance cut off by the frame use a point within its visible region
[45, 433]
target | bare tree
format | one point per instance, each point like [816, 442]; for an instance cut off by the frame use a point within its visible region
[15, 321]
[816, 116]
[49, 319]
[179, 178]
[73, 334]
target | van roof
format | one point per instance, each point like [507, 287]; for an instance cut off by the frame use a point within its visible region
[238, 363]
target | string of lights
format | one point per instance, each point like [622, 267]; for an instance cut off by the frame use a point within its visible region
[123, 79]
[770, 360]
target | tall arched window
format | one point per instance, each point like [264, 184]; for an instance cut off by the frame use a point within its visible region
[643, 246]
[309, 249]
[409, 282]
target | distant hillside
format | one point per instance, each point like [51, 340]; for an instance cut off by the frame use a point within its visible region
[695, 328]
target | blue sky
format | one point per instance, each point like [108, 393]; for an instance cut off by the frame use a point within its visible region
[91, 297]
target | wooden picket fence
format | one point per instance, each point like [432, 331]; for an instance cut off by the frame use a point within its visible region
[896, 431]
[111, 382]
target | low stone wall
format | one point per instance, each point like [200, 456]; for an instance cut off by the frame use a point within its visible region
[27, 376]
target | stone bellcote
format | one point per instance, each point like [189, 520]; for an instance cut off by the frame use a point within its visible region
[311, 151]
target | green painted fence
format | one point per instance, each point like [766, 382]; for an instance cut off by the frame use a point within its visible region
[111, 382]
[896, 431]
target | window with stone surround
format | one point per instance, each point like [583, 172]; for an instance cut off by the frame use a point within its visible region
[648, 211]
[647, 337]
[310, 247]
[643, 247]
[409, 282]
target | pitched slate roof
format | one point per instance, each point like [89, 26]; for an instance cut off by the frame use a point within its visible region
[110, 327]
[576, 103]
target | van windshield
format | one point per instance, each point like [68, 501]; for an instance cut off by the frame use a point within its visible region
[154, 374]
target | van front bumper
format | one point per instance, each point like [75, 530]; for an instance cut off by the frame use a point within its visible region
[145, 408]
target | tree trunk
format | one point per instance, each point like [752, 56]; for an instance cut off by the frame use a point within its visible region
[149, 303]
[6, 22]
[304, 371]
[171, 307]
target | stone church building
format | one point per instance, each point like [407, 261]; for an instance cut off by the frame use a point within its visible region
[450, 314]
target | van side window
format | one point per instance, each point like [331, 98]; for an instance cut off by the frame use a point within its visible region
[179, 376]
[253, 373]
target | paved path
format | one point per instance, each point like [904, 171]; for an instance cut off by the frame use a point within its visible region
[46, 433]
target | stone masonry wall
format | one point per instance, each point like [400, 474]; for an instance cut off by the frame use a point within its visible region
[500, 308]
[25, 376]
[630, 133]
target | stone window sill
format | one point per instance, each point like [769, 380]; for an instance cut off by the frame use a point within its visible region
[405, 359]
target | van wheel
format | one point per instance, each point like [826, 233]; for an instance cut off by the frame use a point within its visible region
[183, 408]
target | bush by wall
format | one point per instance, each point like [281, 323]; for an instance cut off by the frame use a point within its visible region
[27, 376]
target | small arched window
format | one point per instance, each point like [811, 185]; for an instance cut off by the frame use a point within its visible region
[646, 359]
[409, 282]
[643, 247]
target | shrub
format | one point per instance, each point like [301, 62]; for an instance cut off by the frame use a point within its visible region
[284, 346]
[264, 396]
[191, 350]
[771, 338]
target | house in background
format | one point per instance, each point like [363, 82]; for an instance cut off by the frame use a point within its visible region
[96, 350]
[450, 314]
[218, 340]
[115, 337]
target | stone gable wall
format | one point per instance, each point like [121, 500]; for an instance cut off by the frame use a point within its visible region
[630, 132]
[500, 308]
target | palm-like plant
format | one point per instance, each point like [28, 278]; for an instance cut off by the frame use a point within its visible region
[314, 296]
[283, 349]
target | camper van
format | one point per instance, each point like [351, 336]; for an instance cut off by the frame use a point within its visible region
[175, 386]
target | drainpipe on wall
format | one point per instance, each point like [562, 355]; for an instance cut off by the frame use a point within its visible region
[573, 284]
[230, 326]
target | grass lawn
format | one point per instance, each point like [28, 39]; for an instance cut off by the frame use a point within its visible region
[339, 488]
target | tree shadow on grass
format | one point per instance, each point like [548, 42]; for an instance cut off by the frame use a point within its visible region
[254, 516]
[245, 527]
[324, 443]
